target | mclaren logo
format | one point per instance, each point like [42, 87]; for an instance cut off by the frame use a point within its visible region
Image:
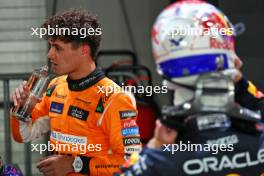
[214, 164]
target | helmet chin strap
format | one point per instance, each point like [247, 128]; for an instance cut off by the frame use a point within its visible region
[186, 93]
[182, 94]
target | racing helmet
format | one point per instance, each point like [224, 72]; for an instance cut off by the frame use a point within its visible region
[190, 38]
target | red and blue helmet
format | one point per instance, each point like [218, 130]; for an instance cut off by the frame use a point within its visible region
[190, 38]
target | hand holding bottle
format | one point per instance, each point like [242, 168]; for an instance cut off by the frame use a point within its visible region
[27, 95]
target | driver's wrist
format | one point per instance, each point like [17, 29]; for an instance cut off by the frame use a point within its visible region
[69, 160]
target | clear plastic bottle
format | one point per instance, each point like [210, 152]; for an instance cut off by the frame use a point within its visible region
[37, 84]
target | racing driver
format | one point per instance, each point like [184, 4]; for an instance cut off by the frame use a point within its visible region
[78, 109]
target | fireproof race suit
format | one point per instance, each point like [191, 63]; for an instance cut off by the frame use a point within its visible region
[246, 159]
[239, 152]
[91, 116]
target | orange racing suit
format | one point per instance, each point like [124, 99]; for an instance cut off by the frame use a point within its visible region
[91, 114]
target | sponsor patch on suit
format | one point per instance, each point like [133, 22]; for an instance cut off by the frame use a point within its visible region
[56, 107]
[130, 131]
[127, 114]
[132, 149]
[78, 113]
[131, 141]
[128, 123]
[67, 138]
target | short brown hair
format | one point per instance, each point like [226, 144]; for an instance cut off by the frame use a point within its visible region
[75, 19]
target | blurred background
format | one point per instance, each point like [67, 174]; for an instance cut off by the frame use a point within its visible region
[126, 27]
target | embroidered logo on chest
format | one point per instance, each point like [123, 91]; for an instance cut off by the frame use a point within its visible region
[78, 113]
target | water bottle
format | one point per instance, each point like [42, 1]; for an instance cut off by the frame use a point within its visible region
[37, 84]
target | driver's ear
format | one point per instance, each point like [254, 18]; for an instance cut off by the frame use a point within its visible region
[85, 50]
